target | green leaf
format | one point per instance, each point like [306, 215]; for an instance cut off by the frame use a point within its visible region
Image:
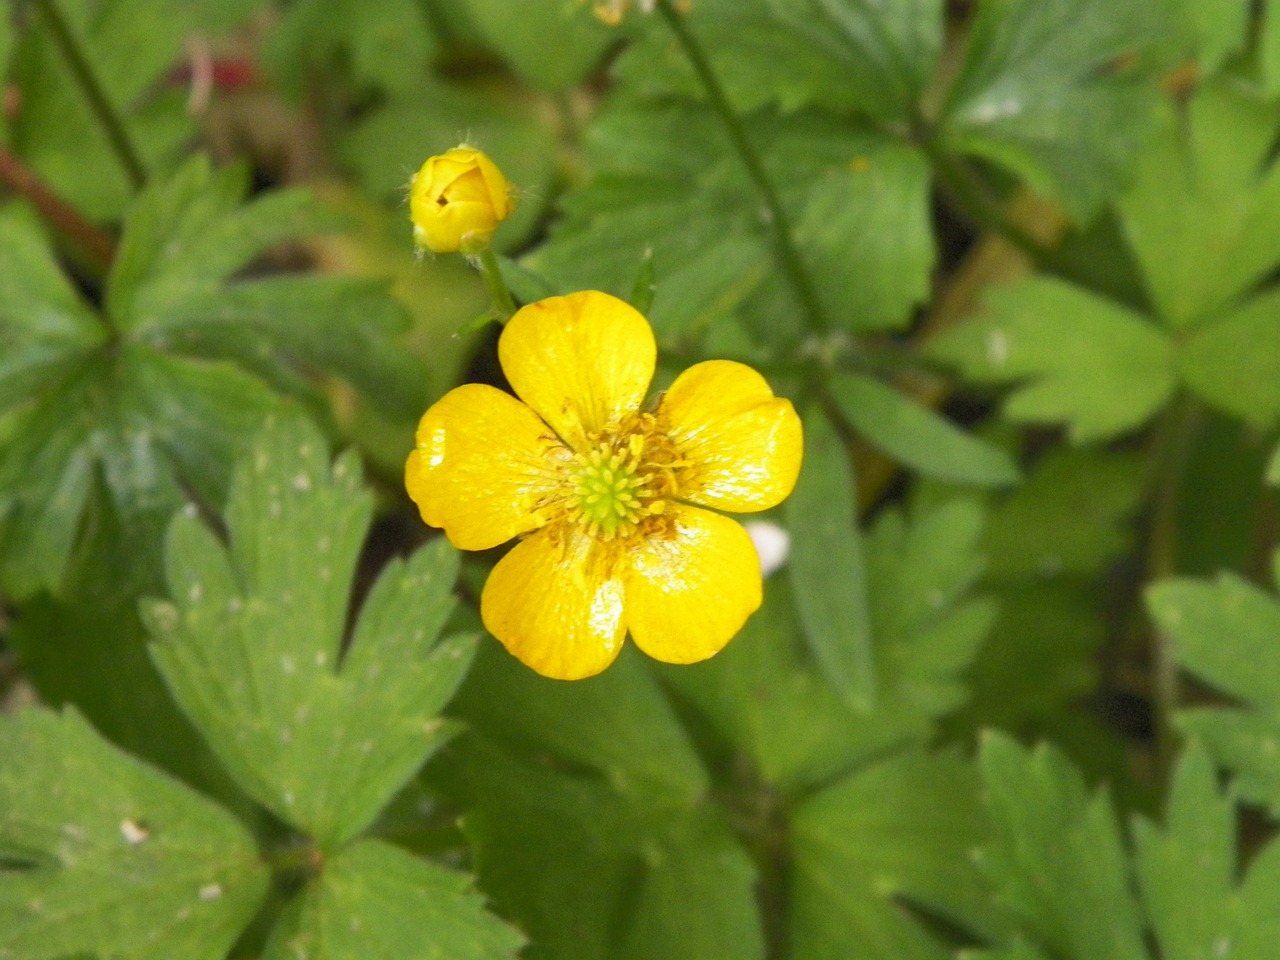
[45, 327]
[1188, 873]
[383, 43]
[186, 234]
[599, 866]
[578, 40]
[765, 696]
[618, 723]
[698, 899]
[665, 180]
[344, 325]
[1057, 862]
[918, 437]
[663, 183]
[1224, 632]
[374, 901]
[1269, 50]
[108, 856]
[1218, 29]
[1204, 214]
[588, 811]
[1073, 515]
[57, 134]
[826, 564]
[866, 235]
[251, 643]
[1234, 362]
[149, 424]
[839, 54]
[896, 832]
[1082, 360]
[1049, 90]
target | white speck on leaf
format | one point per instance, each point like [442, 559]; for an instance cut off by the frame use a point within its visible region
[302, 483]
[133, 832]
[210, 892]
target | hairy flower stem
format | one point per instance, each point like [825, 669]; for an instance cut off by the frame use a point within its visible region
[487, 263]
[96, 97]
[777, 221]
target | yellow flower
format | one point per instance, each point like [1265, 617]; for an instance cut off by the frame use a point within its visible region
[457, 200]
[607, 498]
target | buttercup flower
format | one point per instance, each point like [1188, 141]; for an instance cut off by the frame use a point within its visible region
[457, 200]
[609, 499]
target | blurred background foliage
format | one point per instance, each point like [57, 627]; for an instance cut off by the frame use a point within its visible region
[1015, 694]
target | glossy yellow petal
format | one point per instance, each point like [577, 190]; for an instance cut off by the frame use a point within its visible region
[744, 444]
[581, 361]
[482, 462]
[689, 591]
[556, 602]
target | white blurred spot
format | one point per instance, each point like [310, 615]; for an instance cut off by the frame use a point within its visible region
[211, 891]
[772, 544]
[133, 832]
[998, 348]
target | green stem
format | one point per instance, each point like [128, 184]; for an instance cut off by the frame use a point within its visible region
[776, 218]
[94, 93]
[970, 196]
[1173, 441]
[492, 274]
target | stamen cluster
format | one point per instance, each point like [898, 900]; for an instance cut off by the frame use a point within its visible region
[624, 477]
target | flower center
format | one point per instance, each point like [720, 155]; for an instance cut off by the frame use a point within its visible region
[626, 476]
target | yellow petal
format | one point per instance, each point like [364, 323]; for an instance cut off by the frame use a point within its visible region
[744, 444]
[457, 199]
[555, 601]
[690, 590]
[482, 462]
[581, 361]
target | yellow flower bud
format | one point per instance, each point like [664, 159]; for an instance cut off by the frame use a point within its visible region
[457, 200]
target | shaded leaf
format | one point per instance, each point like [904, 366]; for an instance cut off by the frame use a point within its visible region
[1057, 863]
[918, 437]
[45, 327]
[826, 564]
[896, 831]
[113, 857]
[1234, 362]
[1049, 90]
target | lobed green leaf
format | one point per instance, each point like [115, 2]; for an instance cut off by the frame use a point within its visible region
[252, 643]
[1079, 359]
[106, 855]
[374, 901]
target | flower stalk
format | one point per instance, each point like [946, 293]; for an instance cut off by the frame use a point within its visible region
[775, 216]
[487, 263]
